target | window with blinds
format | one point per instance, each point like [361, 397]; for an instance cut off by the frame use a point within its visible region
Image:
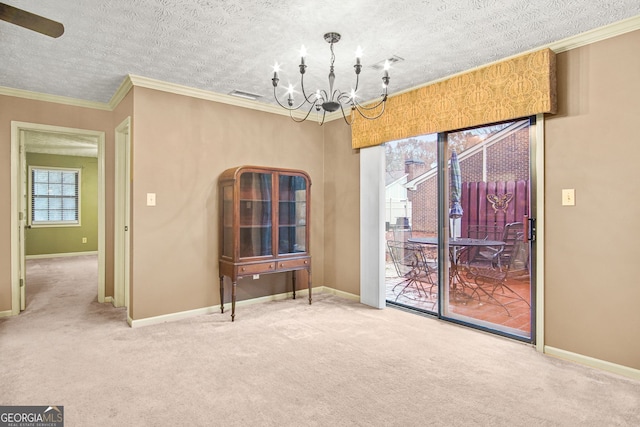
[55, 196]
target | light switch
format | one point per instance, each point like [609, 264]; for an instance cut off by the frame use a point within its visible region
[151, 199]
[568, 197]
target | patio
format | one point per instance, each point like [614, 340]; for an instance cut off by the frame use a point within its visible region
[515, 314]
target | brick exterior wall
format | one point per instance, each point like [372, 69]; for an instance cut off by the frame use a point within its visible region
[425, 206]
[471, 168]
[507, 160]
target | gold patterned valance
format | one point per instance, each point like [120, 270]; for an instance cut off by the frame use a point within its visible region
[510, 89]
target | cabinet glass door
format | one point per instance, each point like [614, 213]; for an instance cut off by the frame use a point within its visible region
[227, 221]
[292, 216]
[255, 215]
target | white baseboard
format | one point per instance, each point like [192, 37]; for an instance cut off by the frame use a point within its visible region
[6, 313]
[148, 321]
[341, 294]
[109, 300]
[65, 254]
[216, 308]
[592, 362]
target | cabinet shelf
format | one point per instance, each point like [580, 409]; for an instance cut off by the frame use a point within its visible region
[263, 224]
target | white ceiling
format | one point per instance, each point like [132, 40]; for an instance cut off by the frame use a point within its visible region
[226, 45]
[59, 143]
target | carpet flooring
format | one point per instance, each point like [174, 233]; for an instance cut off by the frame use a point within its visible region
[284, 363]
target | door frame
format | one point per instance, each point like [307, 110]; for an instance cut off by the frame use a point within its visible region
[370, 190]
[122, 261]
[18, 211]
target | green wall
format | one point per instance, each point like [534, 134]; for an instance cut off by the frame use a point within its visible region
[58, 240]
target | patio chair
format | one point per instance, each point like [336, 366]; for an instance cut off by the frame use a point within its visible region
[417, 271]
[513, 246]
[401, 229]
[490, 280]
[498, 257]
[485, 232]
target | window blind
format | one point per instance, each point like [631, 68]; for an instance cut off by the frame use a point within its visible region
[55, 196]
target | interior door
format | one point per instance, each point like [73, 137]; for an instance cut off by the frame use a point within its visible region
[23, 220]
[122, 215]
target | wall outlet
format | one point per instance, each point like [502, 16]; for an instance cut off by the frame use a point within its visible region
[256, 276]
[84, 240]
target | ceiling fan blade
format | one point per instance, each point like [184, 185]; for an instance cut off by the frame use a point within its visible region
[31, 21]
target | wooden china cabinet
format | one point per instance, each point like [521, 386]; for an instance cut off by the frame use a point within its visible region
[264, 225]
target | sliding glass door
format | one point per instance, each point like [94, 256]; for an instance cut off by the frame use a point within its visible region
[411, 211]
[458, 228]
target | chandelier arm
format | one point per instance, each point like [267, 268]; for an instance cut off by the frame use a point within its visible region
[369, 107]
[383, 99]
[290, 108]
[371, 117]
[344, 116]
[324, 113]
[305, 117]
[343, 95]
[303, 92]
[345, 98]
[324, 95]
[336, 95]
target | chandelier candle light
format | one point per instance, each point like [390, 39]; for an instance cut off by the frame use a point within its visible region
[331, 101]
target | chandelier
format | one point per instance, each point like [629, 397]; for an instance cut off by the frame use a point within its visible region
[328, 102]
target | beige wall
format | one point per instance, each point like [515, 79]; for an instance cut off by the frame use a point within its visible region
[342, 209]
[592, 291]
[180, 147]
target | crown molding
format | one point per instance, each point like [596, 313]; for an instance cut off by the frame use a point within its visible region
[38, 96]
[593, 36]
[177, 89]
[120, 93]
[149, 83]
[596, 35]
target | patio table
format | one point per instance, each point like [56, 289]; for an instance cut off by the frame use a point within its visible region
[454, 256]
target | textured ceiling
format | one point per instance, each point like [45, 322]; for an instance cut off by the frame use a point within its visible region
[61, 144]
[226, 45]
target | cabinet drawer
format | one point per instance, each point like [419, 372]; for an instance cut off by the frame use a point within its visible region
[265, 267]
[293, 263]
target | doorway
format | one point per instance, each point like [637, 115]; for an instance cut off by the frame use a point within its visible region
[458, 230]
[55, 140]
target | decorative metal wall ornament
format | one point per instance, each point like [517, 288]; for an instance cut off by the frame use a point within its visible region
[332, 100]
[499, 202]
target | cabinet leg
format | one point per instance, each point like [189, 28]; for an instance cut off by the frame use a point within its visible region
[233, 302]
[309, 284]
[221, 294]
[293, 282]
